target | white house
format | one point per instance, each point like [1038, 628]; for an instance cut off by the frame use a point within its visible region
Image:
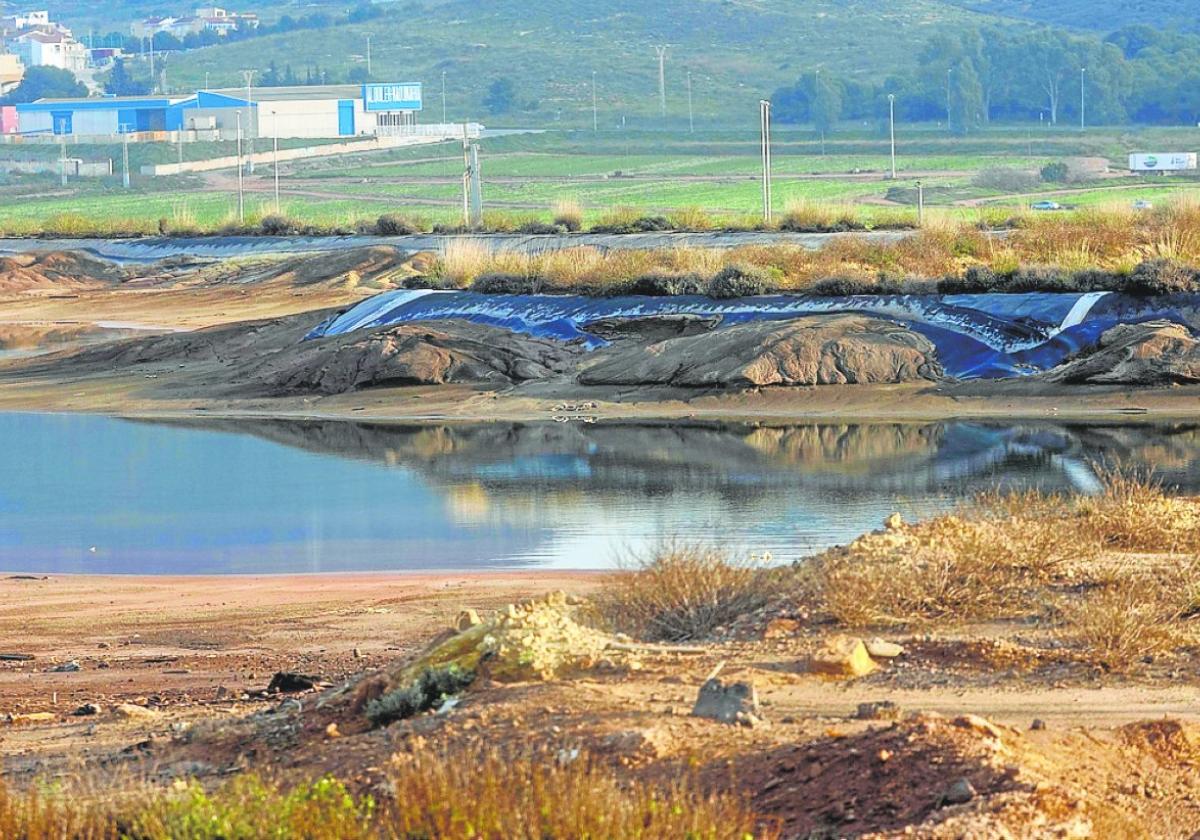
[51, 49]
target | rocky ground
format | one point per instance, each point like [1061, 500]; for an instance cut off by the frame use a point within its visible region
[958, 733]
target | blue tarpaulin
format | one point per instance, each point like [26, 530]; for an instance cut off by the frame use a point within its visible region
[984, 336]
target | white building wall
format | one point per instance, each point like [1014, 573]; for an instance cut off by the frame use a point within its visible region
[100, 121]
[35, 121]
[300, 118]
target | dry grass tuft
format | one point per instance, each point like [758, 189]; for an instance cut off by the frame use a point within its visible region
[1135, 513]
[460, 794]
[682, 592]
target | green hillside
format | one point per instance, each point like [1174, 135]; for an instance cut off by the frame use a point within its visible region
[737, 51]
[1096, 15]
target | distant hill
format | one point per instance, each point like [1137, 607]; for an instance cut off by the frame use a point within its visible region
[1095, 15]
[736, 50]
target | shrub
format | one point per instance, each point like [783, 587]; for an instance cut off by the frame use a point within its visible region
[541, 228]
[568, 215]
[682, 592]
[506, 284]
[1162, 277]
[652, 224]
[390, 224]
[1007, 179]
[844, 287]
[1056, 173]
[663, 285]
[977, 279]
[1040, 278]
[432, 687]
[1124, 622]
[740, 280]
[276, 224]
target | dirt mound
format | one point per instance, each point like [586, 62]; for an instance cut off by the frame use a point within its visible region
[927, 776]
[652, 327]
[379, 266]
[56, 271]
[414, 354]
[821, 350]
[1151, 353]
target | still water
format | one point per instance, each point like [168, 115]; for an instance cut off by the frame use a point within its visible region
[100, 495]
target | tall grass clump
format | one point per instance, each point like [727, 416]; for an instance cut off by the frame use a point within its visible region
[568, 214]
[681, 592]
[1134, 512]
[461, 793]
[531, 795]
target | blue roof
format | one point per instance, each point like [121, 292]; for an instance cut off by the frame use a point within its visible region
[109, 103]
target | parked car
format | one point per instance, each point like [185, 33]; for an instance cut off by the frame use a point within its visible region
[1045, 205]
[1143, 204]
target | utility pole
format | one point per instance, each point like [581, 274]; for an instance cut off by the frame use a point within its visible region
[62, 157]
[368, 55]
[892, 123]
[949, 70]
[125, 155]
[241, 199]
[1082, 99]
[595, 118]
[472, 184]
[764, 128]
[691, 115]
[275, 155]
[920, 204]
[444, 98]
[151, 64]
[206, 80]
[661, 51]
[250, 132]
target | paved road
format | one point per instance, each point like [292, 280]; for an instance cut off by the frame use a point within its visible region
[151, 249]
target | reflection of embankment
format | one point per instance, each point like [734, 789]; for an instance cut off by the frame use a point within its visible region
[563, 465]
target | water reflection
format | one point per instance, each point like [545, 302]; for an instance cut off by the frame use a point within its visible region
[102, 495]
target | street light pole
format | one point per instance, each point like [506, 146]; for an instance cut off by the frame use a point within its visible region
[443, 97]
[275, 155]
[241, 200]
[1082, 99]
[368, 55]
[595, 118]
[250, 132]
[662, 77]
[892, 123]
[691, 115]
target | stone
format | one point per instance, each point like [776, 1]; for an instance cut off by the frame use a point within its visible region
[979, 724]
[86, 710]
[841, 657]
[651, 742]
[134, 712]
[735, 703]
[447, 352]
[895, 522]
[959, 793]
[781, 628]
[19, 718]
[878, 710]
[467, 619]
[1149, 353]
[812, 350]
[881, 649]
[67, 668]
[286, 682]
[1038, 724]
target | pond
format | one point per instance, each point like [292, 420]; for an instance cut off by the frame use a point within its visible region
[91, 494]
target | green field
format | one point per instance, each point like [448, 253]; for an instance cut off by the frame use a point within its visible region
[703, 179]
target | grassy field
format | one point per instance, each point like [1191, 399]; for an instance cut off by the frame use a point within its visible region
[706, 179]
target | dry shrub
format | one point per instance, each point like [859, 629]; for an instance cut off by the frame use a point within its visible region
[568, 214]
[682, 592]
[1135, 513]
[1138, 614]
[993, 559]
[483, 793]
[460, 794]
[691, 218]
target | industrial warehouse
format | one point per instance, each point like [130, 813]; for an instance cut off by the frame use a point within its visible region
[369, 110]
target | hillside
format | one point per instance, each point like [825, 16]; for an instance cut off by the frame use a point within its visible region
[1096, 15]
[737, 50]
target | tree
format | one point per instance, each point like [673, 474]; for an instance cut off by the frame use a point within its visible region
[501, 96]
[44, 82]
[120, 83]
[966, 98]
[826, 103]
[358, 75]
